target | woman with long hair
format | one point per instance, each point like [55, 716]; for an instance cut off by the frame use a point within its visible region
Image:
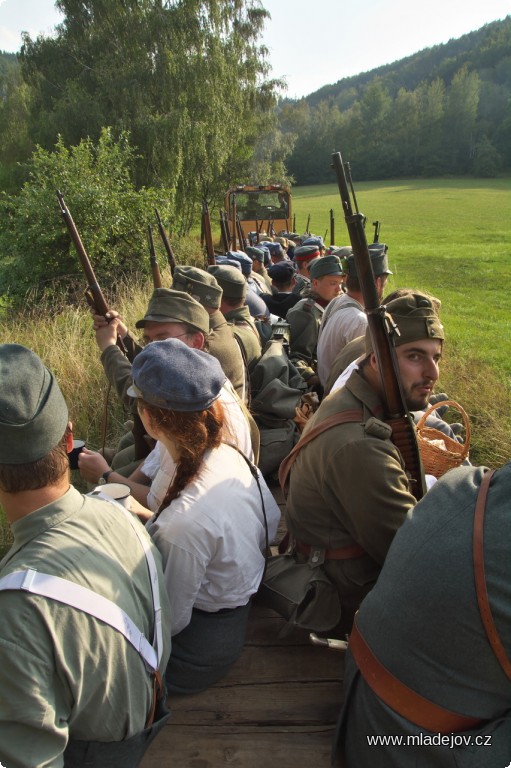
[211, 525]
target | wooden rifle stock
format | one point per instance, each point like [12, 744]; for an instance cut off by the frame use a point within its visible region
[155, 269]
[94, 294]
[208, 236]
[165, 240]
[382, 331]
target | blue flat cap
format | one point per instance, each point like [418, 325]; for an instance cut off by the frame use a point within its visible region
[171, 375]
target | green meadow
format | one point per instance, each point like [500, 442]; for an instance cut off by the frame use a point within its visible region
[450, 237]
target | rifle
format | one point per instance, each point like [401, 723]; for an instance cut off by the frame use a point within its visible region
[224, 230]
[332, 227]
[234, 216]
[241, 234]
[93, 294]
[155, 269]
[206, 228]
[163, 235]
[382, 331]
[376, 225]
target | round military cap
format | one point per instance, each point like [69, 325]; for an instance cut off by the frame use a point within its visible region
[306, 253]
[316, 240]
[167, 305]
[325, 265]
[282, 272]
[276, 250]
[171, 375]
[230, 279]
[199, 284]
[33, 412]
[415, 317]
[228, 262]
[244, 261]
[256, 254]
[341, 251]
[256, 306]
[283, 241]
[379, 260]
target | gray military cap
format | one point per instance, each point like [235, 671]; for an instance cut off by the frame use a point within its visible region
[33, 412]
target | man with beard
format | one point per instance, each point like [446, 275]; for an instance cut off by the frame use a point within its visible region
[349, 492]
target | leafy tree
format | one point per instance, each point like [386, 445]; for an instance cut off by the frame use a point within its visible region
[112, 217]
[187, 79]
[487, 160]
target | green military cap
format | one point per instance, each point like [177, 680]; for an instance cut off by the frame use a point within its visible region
[33, 412]
[167, 305]
[415, 317]
[325, 265]
[255, 253]
[199, 284]
[379, 261]
[230, 280]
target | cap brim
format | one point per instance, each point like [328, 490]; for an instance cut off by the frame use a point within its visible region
[134, 391]
[156, 319]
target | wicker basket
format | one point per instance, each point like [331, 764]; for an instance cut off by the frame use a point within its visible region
[437, 459]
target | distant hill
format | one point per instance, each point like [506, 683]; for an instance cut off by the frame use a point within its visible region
[486, 51]
[444, 110]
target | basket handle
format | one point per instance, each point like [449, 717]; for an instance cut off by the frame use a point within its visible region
[451, 404]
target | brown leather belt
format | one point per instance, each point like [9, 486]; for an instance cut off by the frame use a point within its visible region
[400, 697]
[342, 553]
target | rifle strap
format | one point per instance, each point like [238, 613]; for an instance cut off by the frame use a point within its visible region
[344, 417]
[398, 696]
[480, 577]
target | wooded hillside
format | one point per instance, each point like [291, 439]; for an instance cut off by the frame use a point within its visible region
[444, 110]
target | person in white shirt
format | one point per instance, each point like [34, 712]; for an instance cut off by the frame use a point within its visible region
[215, 520]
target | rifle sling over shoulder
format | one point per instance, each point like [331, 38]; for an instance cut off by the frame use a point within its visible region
[344, 417]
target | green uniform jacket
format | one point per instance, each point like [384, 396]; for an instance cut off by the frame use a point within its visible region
[349, 486]
[304, 320]
[223, 346]
[246, 333]
[63, 673]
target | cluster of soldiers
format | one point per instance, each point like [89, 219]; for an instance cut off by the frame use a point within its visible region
[424, 601]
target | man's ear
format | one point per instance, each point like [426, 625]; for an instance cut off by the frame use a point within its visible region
[372, 362]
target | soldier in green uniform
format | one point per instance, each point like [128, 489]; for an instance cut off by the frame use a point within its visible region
[85, 618]
[302, 257]
[221, 342]
[348, 491]
[304, 318]
[236, 312]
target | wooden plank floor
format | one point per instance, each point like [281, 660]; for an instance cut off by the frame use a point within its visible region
[279, 703]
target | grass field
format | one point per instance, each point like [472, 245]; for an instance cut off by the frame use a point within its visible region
[450, 237]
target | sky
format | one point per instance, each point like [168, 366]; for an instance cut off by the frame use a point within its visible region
[317, 42]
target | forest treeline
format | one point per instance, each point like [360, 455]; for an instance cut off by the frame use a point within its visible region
[132, 105]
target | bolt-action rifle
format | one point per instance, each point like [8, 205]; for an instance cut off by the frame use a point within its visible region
[376, 225]
[94, 294]
[224, 230]
[241, 235]
[97, 301]
[165, 240]
[383, 331]
[208, 236]
[155, 269]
